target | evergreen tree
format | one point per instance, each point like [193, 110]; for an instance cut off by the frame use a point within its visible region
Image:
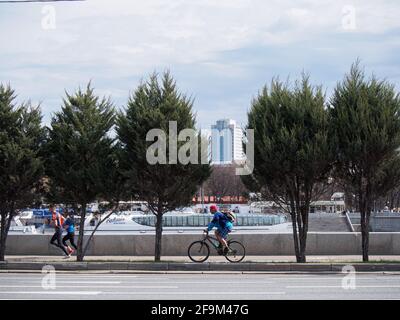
[164, 185]
[80, 152]
[21, 166]
[291, 151]
[365, 132]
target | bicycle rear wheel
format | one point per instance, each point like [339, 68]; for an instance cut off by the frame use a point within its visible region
[238, 251]
[199, 251]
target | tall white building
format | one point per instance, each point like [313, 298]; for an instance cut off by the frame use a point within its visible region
[226, 142]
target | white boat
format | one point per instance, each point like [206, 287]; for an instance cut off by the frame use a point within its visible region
[20, 226]
[133, 219]
[23, 229]
[25, 215]
[135, 216]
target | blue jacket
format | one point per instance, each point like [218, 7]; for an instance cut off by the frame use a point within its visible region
[70, 225]
[220, 221]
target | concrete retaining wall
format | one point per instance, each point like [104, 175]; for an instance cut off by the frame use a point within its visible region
[333, 243]
[380, 222]
[385, 223]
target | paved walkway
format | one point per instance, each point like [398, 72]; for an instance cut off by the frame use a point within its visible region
[264, 259]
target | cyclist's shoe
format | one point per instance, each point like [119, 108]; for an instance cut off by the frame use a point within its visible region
[220, 249]
[227, 251]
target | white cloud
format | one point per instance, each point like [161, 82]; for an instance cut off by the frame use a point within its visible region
[116, 43]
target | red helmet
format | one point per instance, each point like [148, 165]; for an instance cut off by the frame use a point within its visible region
[213, 207]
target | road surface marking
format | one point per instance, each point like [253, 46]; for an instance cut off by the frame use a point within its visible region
[338, 277]
[106, 287]
[357, 286]
[195, 293]
[39, 276]
[88, 293]
[207, 282]
[77, 282]
[88, 282]
[153, 282]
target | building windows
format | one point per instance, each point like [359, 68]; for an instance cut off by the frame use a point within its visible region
[226, 142]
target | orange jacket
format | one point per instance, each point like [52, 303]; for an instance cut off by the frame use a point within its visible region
[58, 219]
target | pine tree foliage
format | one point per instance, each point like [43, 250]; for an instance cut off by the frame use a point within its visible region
[365, 133]
[292, 153]
[167, 186]
[80, 152]
[21, 165]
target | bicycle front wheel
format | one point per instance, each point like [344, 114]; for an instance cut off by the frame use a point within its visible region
[238, 251]
[199, 251]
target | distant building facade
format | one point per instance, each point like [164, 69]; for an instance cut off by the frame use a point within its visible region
[226, 142]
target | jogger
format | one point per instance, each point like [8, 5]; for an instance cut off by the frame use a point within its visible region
[57, 237]
[70, 226]
[58, 221]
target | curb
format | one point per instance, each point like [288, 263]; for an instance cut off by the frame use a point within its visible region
[201, 267]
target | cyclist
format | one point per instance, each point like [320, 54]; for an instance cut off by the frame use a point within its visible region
[224, 224]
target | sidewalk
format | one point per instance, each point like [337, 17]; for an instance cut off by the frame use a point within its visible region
[212, 259]
[285, 264]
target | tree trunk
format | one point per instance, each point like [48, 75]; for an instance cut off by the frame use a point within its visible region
[157, 252]
[365, 235]
[5, 227]
[80, 253]
[3, 236]
[365, 212]
[95, 229]
[305, 209]
[303, 240]
[295, 237]
[296, 228]
[300, 230]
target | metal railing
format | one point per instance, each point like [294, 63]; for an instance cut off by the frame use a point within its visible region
[204, 220]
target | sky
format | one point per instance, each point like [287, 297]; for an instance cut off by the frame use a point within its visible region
[221, 52]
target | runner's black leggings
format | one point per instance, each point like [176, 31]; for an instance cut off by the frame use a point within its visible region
[69, 236]
[57, 237]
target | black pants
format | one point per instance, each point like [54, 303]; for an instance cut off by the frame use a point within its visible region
[70, 236]
[57, 237]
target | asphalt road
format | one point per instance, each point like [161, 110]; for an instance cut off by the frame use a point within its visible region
[172, 286]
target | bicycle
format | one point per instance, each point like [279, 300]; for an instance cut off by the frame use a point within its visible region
[199, 251]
